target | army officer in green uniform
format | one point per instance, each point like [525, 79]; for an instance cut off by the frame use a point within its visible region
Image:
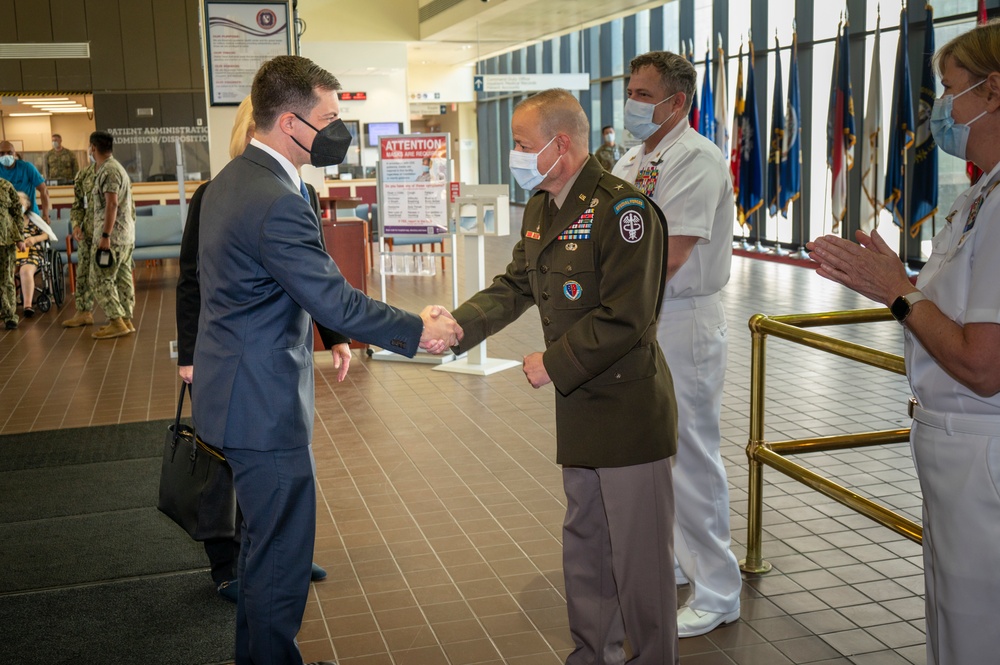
[590, 257]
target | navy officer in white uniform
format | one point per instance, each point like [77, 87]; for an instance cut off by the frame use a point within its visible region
[951, 322]
[688, 177]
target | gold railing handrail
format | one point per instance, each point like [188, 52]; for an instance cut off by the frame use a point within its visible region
[759, 452]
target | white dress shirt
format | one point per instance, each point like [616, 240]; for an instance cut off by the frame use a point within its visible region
[694, 190]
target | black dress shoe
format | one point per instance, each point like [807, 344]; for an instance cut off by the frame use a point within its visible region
[10, 324]
[28, 312]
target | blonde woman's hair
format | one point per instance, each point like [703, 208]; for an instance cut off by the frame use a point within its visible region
[243, 128]
[976, 51]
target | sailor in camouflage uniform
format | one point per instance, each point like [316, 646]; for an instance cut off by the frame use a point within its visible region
[114, 229]
[591, 258]
[11, 240]
[82, 218]
[60, 163]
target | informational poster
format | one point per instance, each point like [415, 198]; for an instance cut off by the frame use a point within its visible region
[241, 36]
[414, 184]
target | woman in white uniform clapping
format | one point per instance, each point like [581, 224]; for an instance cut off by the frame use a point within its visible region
[952, 329]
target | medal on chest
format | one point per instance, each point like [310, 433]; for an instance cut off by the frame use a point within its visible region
[580, 229]
[645, 180]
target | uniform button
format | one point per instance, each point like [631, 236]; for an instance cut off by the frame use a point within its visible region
[546, 321]
[569, 268]
[543, 269]
[545, 295]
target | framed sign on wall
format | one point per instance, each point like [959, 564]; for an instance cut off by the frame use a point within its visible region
[240, 36]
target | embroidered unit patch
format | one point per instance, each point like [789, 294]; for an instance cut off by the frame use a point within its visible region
[580, 229]
[572, 290]
[631, 226]
[634, 202]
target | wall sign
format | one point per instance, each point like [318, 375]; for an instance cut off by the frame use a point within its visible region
[413, 184]
[241, 36]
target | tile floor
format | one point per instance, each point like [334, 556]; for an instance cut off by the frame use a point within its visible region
[441, 506]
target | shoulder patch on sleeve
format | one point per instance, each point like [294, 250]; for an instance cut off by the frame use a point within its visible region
[631, 225]
[631, 202]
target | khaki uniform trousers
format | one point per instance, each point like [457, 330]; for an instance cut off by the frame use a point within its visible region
[8, 294]
[113, 288]
[618, 564]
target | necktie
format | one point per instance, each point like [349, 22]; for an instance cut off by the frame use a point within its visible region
[305, 192]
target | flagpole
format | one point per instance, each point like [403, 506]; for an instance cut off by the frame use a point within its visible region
[778, 250]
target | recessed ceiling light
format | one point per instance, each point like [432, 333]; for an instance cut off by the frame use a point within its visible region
[25, 115]
[45, 103]
[24, 100]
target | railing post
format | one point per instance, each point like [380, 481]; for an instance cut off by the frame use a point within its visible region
[754, 562]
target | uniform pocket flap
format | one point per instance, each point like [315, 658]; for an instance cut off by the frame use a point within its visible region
[292, 359]
[638, 363]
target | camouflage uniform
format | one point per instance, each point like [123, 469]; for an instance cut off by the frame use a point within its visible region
[113, 285]
[10, 233]
[60, 164]
[608, 155]
[82, 217]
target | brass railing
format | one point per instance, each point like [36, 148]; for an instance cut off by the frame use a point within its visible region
[761, 452]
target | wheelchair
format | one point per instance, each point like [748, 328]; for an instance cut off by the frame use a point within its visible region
[49, 285]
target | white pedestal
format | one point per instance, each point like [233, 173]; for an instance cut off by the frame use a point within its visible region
[476, 362]
[421, 358]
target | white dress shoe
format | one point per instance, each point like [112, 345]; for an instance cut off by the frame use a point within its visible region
[691, 623]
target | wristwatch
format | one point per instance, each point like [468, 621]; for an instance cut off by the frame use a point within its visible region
[903, 305]
[105, 235]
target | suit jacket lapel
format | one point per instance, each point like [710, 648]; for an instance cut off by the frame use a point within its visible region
[574, 205]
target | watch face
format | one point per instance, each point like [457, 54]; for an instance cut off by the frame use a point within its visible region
[900, 308]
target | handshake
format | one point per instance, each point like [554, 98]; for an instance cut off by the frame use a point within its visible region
[441, 331]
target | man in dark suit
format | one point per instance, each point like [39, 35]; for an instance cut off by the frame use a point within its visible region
[263, 272]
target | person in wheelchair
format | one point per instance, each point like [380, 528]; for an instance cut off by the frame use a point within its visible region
[37, 235]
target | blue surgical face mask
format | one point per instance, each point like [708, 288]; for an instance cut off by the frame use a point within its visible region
[524, 167]
[7, 160]
[639, 117]
[950, 136]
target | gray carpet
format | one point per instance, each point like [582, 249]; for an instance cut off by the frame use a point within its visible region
[92, 572]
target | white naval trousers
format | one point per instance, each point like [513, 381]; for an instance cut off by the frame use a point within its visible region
[692, 333]
[958, 463]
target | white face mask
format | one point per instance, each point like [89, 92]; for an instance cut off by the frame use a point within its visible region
[609, 138]
[639, 117]
[90, 158]
[56, 144]
[524, 167]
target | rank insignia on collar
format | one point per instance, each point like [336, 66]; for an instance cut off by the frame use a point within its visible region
[571, 247]
[594, 202]
[618, 188]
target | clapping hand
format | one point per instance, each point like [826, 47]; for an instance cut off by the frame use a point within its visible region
[869, 266]
[441, 331]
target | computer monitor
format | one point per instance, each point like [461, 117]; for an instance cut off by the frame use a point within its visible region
[373, 130]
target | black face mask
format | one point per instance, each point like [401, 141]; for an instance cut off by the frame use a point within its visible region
[330, 146]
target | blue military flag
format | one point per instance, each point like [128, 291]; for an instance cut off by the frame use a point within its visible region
[776, 151]
[924, 199]
[900, 129]
[706, 125]
[791, 160]
[751, 193]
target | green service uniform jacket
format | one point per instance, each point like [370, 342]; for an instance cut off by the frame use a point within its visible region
[595, 273]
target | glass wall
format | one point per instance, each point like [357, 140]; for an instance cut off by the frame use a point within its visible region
[604, 51]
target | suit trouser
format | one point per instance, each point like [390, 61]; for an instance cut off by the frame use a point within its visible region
[617, 563]
[692, 334]
[277, 494]
[958, 464]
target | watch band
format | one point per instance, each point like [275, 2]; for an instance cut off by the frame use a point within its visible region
[902, 306]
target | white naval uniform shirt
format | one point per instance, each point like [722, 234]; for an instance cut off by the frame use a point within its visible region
[694, 190]
[962, 277]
